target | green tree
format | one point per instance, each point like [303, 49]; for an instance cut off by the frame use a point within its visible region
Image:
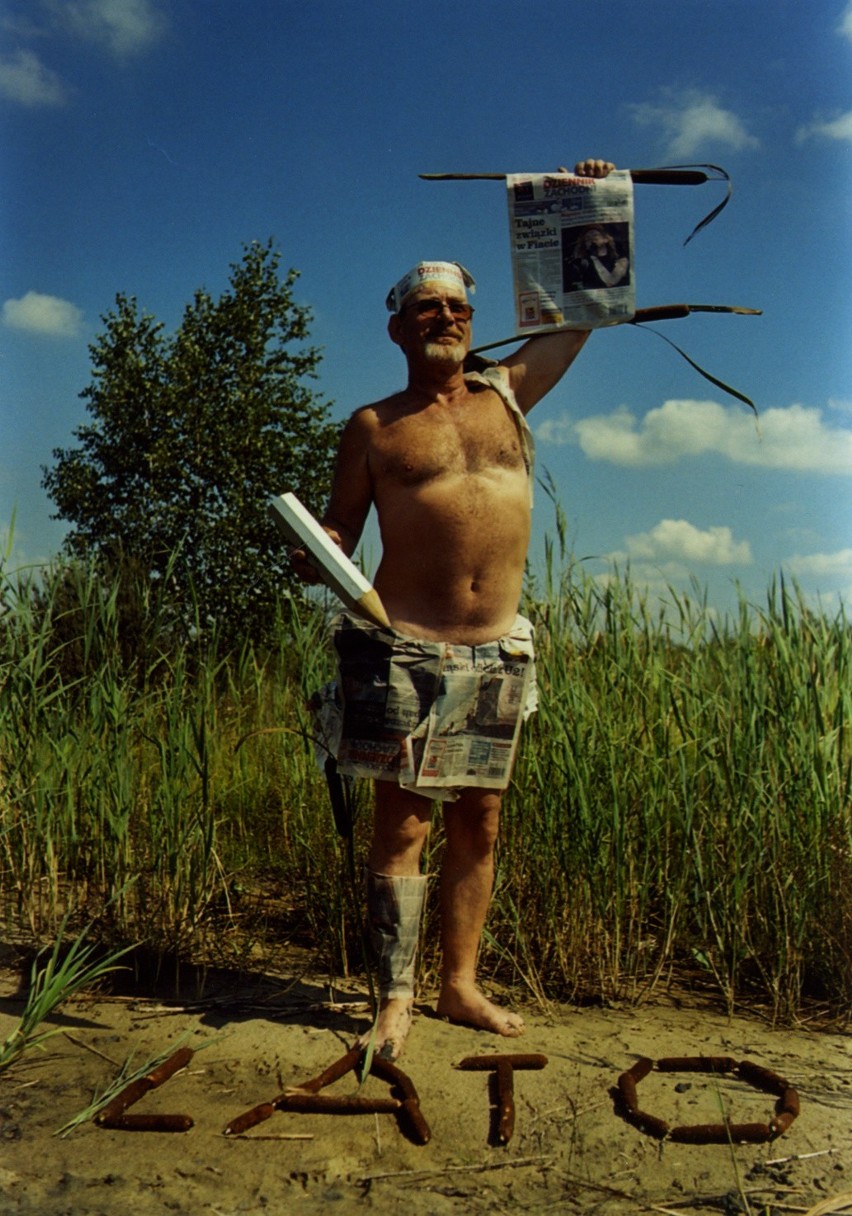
[189, 434]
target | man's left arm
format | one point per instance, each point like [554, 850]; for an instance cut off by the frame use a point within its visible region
[544, 359]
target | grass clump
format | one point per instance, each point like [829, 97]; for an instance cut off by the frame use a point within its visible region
[65, 972]
[682, 802]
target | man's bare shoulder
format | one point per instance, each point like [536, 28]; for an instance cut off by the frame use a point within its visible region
[366, 417]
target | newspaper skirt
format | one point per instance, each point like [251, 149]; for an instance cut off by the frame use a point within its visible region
[436, 717]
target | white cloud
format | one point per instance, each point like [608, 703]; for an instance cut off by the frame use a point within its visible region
[835, 565]
[825, 578]
[836, 128]
[692, 120]
[654, 579]
[677, 540]
[25, 79]
[124, 27]
[796, 437]
[845, 26]
[41, 314]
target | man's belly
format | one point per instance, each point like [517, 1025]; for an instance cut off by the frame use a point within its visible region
[453, 558]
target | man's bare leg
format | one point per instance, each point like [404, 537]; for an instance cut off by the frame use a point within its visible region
[467, 880]
[400, 828]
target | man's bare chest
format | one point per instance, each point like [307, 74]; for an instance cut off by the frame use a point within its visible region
[477, 437]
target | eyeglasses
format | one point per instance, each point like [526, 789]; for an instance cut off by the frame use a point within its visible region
[432, 308]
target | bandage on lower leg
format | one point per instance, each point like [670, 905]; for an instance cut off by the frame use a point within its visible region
[394, 909]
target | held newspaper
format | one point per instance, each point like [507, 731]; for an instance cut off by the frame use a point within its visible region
[572, 250]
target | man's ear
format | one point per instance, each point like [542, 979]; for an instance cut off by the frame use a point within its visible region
[394, 326]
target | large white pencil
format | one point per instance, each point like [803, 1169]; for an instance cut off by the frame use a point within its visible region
[333, 566]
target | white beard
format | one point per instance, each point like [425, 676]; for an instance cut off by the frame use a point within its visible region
[439, 352]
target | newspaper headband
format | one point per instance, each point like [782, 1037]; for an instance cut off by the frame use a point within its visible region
[446, 274]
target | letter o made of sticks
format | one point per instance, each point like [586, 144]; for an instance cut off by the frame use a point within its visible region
[786, 1108]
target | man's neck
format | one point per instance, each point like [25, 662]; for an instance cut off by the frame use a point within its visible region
[434, 381]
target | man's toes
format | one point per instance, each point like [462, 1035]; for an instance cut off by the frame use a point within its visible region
[512, 1030]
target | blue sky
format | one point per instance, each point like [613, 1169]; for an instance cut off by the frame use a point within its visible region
[144, 142]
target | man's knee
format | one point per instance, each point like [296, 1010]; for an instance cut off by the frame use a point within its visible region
[472, 823]
[400, 835]
[400, 824]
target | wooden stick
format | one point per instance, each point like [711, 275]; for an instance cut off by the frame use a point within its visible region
[646, 177]
[279, 1136]
[490, 1062]
[779, 1123]
[627, 1092]
[504, 1066]
[333, 1073]
[696, 1064]
[169, 1067]
[659, 312]
[148, 1123]
[822, 1152]
[648, 1123]
[332, 1104]
[113, 1113]
[763, 1078]
[126, 1098]
[250, 1118]
[640, 1069]
[721, 1133]
[410, 1113]
[505, 1074]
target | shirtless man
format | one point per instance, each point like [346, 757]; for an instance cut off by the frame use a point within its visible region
[444, 463]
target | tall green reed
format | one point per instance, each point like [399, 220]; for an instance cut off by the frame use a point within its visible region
[680, 807]
[105, 798]
[681, 801]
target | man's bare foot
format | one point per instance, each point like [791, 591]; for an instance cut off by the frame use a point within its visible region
[391, 1029]
[467, 1005]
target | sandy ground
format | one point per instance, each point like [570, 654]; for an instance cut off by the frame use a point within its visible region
[570, 1150]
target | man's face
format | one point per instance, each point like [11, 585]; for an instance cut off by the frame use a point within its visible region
[436, 321]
